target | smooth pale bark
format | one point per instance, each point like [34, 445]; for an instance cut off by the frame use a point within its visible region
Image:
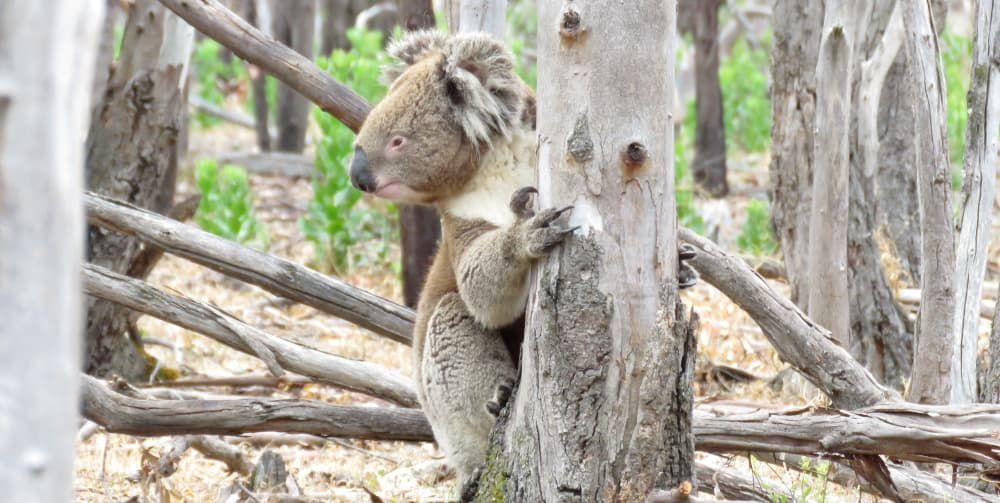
[794, 54]
[982, 153]
[828, 300]
[43, 123]
[930, 378]
[603, 410]
[294, 22]
[483, 15]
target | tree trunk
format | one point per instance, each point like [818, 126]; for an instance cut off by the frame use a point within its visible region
[603, 411]
[294, 22]
[258, 15]
[419, 226]
[483, 15]
[934, 342]
[794, 54]
[132, 155]
[709, 164]
[105, 51]
[982, 154]
[43, 116]
[882, 335]
[828, 299]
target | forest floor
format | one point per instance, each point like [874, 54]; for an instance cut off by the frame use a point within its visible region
[118, 468]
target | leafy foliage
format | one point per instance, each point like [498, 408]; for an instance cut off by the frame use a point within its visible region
[226, 206]
[687, 215]
[336, 221]
[756, 237]
[210, 72]
[956, 57]
[522, 23]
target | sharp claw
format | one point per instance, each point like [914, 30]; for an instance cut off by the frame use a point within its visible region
[687, 252]
[570, 230]
[564, 210]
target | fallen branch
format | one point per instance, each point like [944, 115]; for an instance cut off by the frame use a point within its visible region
[799, 341]
[202, 105]
[119, 413]
[734, 484]
[241, 381]
[272, 163]
[911, 484]
[355, 375]
[298, 72]
[276, 275]
[907, 432]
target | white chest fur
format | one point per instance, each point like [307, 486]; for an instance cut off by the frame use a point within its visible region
[506, 167]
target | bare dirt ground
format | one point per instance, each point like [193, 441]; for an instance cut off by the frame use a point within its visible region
[120, 468]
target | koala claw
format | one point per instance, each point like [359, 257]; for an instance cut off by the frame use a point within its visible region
[520, 202]
[500, 397]
[469, 489]
[686, 275]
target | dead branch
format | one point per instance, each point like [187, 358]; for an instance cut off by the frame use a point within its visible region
[272, 163]
[241, 381]
[276, 275]
[360, 376]
[119, 413]
[903, 431]
[911, 432]
[730, 483]
[221, 451]
[799, 341]
[202, 105]
[214, 20]
[911, 484]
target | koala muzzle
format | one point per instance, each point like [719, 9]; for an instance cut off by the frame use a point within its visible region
[361, 176]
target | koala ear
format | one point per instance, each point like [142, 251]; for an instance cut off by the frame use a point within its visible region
[410, 49]
[481, 83]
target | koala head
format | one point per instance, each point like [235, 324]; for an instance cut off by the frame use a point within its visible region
[450, 98]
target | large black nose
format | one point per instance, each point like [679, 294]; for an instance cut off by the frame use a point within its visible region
[361, 176]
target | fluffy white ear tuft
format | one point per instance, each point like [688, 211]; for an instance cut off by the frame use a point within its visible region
[481, 83]
[413, 47]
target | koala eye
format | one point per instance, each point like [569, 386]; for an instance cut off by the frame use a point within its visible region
[396, 142]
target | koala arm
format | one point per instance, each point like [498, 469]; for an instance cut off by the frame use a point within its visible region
[492, 268]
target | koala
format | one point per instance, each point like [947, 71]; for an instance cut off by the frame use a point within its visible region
[456, 131]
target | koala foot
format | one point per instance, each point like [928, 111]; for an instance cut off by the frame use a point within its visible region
[520, 203]
[686, 275]
[500, 397]
[470, 487]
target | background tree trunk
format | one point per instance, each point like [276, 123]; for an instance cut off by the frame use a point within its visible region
[982, 154]
[882, 335]
[294, 22]
[132, 155]
[258, 15]
[934, 342]
[603, 411]
[43, 117]
[794, 53]
[828, 299]
[709, 164]
[419, 226]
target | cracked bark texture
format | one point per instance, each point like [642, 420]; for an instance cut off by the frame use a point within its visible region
[132, 156]
[794, 54]
[603, 409]
[882, 334]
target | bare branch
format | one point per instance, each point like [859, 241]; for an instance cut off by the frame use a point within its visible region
[276, 275]
[119, 413]
[799, 341]
[298, 72]
[280, 354]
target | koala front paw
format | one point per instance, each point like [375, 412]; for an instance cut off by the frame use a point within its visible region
[538, 234]
[686, 275]
[500, 397]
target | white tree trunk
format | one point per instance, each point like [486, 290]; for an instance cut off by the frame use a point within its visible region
[828, 301]
[930, 378]
[483, 15]
[981, 158]
[48, 52]
[603, 410]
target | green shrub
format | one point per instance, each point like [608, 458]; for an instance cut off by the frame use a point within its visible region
[956, 56]
[209, 72]
[756, 237]
[687, 215]
[335, 221]
[226, 206]
[522, 22]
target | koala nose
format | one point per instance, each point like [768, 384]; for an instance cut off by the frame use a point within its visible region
[361, 176]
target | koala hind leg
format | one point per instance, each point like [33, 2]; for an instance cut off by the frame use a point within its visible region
[465, 369]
